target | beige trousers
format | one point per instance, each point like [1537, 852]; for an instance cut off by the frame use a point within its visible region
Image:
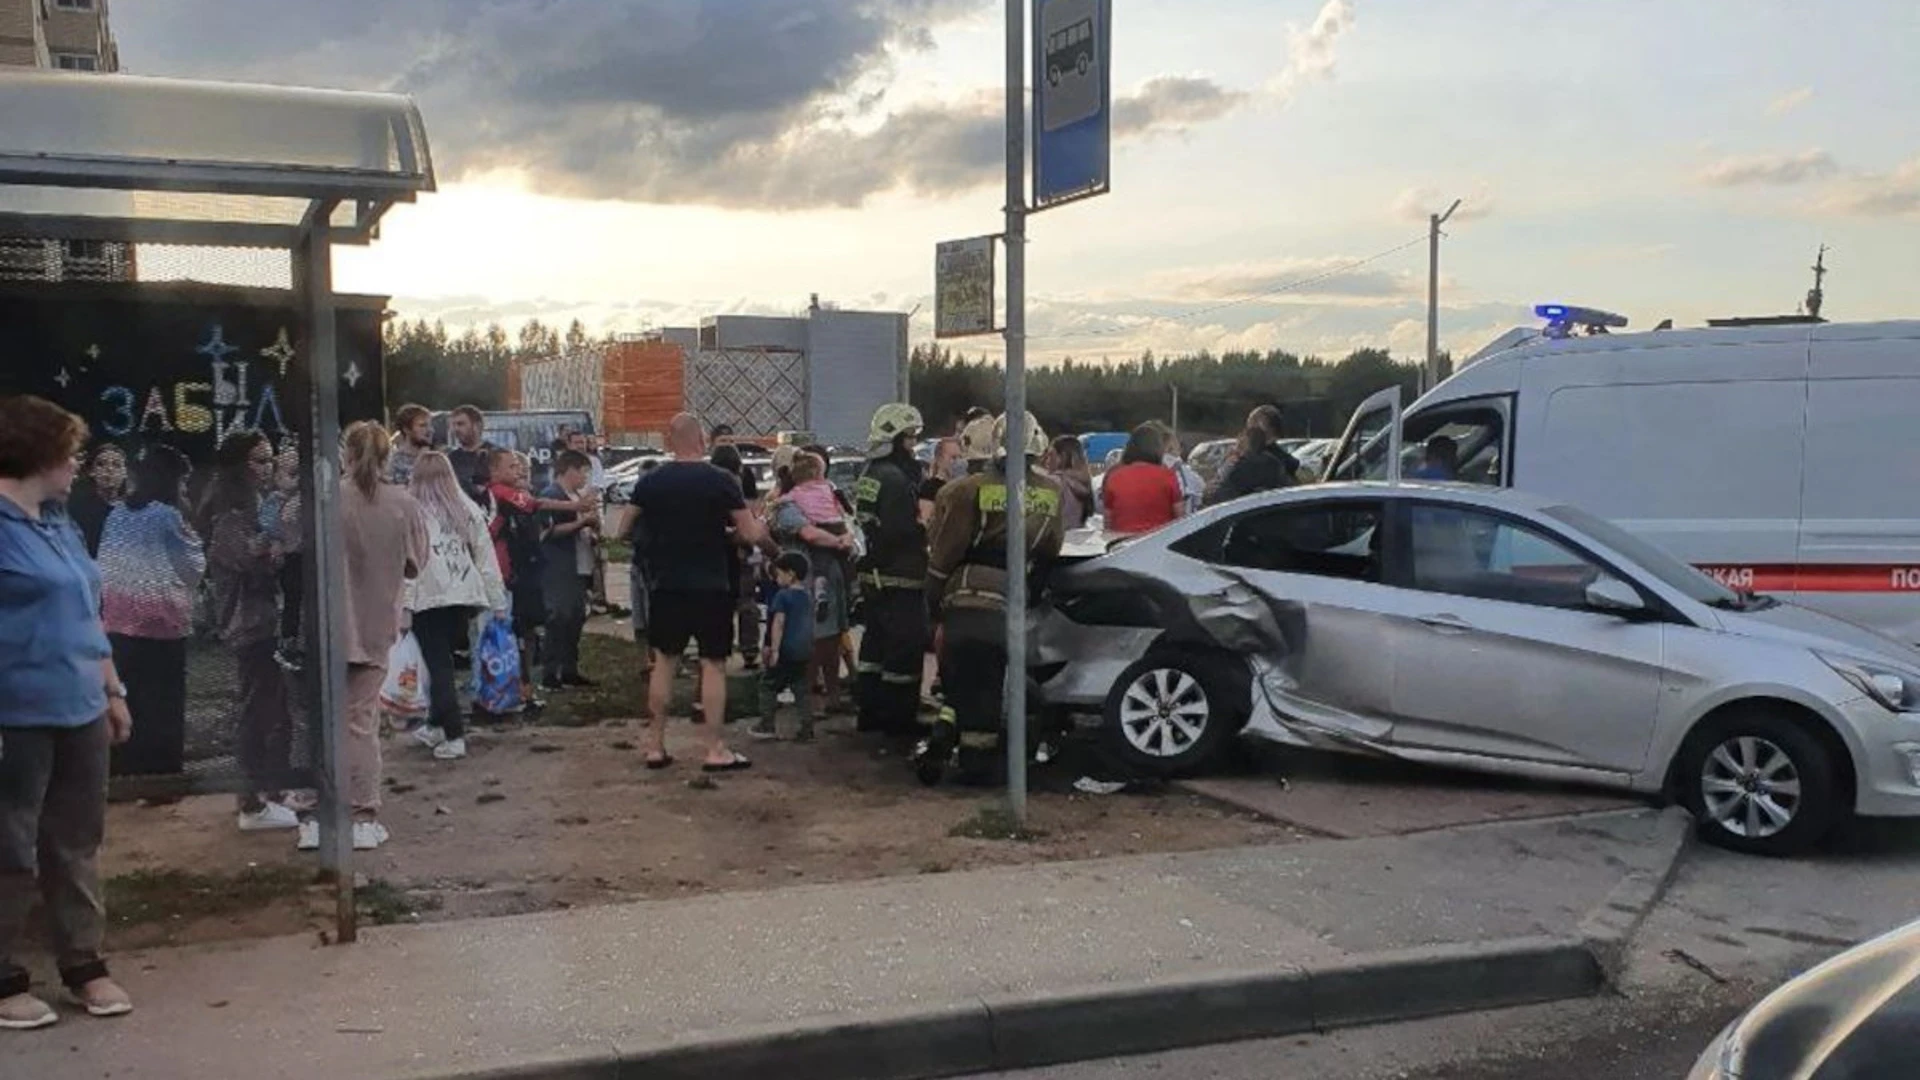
[362, 742]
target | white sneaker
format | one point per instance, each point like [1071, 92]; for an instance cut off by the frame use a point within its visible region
[785, 697]
[267, 818]
[429, 736]
[309, 836]
[451, 749]
[368, 835]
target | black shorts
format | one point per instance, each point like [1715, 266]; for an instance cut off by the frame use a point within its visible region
[676, 618]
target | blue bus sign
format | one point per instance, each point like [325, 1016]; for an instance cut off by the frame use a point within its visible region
[1072, 98]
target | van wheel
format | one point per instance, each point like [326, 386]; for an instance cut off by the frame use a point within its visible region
[1173, 711]
[1758, 782]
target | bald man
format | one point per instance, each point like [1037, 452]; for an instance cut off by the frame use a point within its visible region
[692, 515]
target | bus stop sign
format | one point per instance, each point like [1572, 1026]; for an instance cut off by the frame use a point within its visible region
[1072, 89]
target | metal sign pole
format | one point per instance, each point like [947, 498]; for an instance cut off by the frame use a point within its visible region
[1016, 331]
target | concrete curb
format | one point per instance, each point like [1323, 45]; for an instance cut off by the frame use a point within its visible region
[1025, 1032]
[1608, 929]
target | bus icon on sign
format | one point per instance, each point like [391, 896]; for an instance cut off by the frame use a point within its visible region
[1070, 49]
[1068, 55]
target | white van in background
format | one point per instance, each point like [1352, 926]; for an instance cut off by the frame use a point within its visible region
[1781, 458]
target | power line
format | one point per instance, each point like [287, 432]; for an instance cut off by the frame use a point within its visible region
[1276, 290]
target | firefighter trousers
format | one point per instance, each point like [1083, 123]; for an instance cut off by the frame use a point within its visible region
[892, 651]
[974, 671]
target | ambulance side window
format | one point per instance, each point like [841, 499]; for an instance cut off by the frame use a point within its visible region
[1462, 441]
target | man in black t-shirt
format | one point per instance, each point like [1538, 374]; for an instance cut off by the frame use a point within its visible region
[689, 506]
[470, 454]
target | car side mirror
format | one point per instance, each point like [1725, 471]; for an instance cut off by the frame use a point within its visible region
[1610, 594]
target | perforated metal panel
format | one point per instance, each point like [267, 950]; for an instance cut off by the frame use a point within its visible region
[755, 391]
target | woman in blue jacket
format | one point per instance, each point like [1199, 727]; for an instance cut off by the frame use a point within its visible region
[61, 707]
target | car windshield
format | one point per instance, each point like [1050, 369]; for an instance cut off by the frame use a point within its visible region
[1652, 559]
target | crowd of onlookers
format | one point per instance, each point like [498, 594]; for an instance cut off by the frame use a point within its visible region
[111, 564]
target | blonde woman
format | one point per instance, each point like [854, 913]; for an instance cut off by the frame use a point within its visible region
[386, 544]
[460, 579]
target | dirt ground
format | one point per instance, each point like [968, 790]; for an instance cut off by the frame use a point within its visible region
[543, 816]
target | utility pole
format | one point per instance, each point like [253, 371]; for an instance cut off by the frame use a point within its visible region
[1016, 448]
[1817, 295]
[1175, 387]
[1434, 221]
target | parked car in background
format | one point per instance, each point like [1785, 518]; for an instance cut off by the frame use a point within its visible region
[1102, 447]
[845, 468]
[1208, 458]
[1856, 1016]
[1312, 455]
[1486, 630]
[614, 456]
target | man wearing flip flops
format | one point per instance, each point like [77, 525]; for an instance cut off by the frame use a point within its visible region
[695, 515]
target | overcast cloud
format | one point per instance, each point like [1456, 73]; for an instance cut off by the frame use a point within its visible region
[1770, 169]
[733, 103]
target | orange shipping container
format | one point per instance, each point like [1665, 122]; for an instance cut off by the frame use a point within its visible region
[630, 388]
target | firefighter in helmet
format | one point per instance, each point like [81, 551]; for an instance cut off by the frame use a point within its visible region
[892, 575]
[967, 588]
[977, 444]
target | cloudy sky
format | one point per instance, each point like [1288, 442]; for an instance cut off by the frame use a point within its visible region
[646, 162]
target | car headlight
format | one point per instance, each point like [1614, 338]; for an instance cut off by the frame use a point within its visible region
[1722, 1058]
[1897, 690]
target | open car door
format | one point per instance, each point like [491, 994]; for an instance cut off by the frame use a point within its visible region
[1370, 448]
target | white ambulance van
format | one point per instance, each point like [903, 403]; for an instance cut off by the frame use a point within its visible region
[1781, 458]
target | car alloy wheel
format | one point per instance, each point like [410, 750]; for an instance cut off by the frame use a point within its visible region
[1750, 787]
[1164, 712]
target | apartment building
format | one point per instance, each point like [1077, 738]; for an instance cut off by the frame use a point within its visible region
[61, 35]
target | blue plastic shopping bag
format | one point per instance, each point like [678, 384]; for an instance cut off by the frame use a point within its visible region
[496, 668]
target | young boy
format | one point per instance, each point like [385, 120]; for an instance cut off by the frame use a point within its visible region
[791, 617]
[567, 549]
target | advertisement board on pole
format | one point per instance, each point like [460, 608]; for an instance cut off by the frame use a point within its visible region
[963, 287]
[1072, 100]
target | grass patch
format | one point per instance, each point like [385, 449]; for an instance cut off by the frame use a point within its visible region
[994, 823]
[151, 896]
[383, 903]
[620, 670]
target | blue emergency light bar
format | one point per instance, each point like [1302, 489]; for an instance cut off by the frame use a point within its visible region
[1564, 319]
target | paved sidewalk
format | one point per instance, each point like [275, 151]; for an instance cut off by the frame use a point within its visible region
[951, 964]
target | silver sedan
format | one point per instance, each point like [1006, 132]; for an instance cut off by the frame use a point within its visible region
[1486, 630]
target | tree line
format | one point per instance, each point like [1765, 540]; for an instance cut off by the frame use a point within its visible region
[427, 364]
[1214, 393]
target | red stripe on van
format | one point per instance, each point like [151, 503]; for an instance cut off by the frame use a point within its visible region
[1818, 577]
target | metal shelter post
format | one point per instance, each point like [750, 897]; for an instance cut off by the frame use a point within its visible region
[313, 295]
[1016, 395]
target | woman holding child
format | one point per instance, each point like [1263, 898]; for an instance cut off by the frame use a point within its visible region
[809, 520]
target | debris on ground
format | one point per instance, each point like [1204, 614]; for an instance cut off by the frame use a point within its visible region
[1684, 957]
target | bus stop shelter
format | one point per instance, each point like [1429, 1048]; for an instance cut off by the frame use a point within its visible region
[209, 167]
